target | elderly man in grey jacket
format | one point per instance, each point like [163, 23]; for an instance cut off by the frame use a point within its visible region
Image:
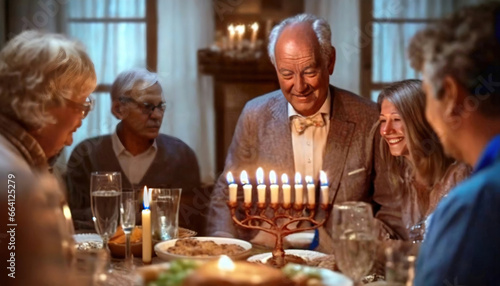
[340, 140]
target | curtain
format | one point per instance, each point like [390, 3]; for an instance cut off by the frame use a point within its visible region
[184, 27]
[390, 40]
[343, 17]
[113, 47]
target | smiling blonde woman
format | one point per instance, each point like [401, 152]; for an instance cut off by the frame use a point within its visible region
[416, 161]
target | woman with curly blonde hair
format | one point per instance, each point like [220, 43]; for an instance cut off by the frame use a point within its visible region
[415, 158]
[45, 83]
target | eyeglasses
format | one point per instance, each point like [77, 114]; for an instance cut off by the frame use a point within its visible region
[146, 107]
[84, 108]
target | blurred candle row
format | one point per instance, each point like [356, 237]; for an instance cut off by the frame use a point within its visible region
[274, 188]
[237, 32]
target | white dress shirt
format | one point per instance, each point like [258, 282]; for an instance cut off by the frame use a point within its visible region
[309, 147]
[134, 167]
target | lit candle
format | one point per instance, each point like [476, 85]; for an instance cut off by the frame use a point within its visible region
[255, 29]
[240, 30]
[247, 188]
[286, 189]
[311, 191]
[232, 187]
[146, 227]
[261, 187]
[299, 189]
[232, 33]
[274, 187]
[324, 187]
[225, 264]
[226, 272]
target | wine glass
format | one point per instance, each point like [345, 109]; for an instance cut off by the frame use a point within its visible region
[353, 233]
[127, 218]
[105, 192]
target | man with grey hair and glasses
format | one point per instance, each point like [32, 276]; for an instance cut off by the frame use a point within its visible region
[136, 148]
[308, 126]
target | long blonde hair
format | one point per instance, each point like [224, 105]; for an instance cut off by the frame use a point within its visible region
[427, 157]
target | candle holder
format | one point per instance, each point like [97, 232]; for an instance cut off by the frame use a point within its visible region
[282, 217]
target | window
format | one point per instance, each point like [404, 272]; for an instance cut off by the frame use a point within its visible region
[118, 35]
[388, 26]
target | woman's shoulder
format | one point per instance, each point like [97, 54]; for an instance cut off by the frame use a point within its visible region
[456, 173]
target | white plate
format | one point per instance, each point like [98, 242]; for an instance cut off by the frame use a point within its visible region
[161, 248]
[87, 241]
[87, 237]
[306, 254]
[328, 277]
[300, 239]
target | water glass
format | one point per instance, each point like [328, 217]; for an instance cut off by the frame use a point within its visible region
[105, 193]
[400, 259]
[354, 238]
[165, 213]
[127, 217]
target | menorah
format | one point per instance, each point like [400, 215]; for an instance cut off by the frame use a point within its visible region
[278, 222]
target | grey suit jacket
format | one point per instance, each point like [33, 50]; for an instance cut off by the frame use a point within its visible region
[263, 139]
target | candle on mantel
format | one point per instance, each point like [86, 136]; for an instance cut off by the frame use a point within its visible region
[247, 188]
[261, 187]
[311, 191]
[286, 189]
[273, 187]
[233, 187]
[232, 33]
[240, 30]
[146, 227]
[255, 30]
[324, 187]
[299, 189]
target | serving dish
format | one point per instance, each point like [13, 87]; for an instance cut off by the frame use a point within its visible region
[117, 249]
[300, 240]
[305, 254]
[161, 249]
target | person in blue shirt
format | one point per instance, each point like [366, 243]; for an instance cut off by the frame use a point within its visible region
[460, 61]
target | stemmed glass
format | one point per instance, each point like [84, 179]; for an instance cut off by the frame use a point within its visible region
[105, 192]
[353, 233]
[127, 218]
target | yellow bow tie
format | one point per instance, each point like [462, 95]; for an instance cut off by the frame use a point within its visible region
[301, 123]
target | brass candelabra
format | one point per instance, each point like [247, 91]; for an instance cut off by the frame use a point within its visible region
[284, 215]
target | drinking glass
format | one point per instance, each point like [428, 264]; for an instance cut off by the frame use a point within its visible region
[165, 213]
[127, 217]
[354, 238]
[105, 192]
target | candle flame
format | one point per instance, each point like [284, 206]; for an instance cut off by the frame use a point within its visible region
[231, 29]
[284, 179]
[146, 197]
[225, 263]
[260, 175]
[272, 177]
[244, 177]
[255, 27]
[240, 29]
[229, 178]
[309, 180]
[322, 178]
[298, 178]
